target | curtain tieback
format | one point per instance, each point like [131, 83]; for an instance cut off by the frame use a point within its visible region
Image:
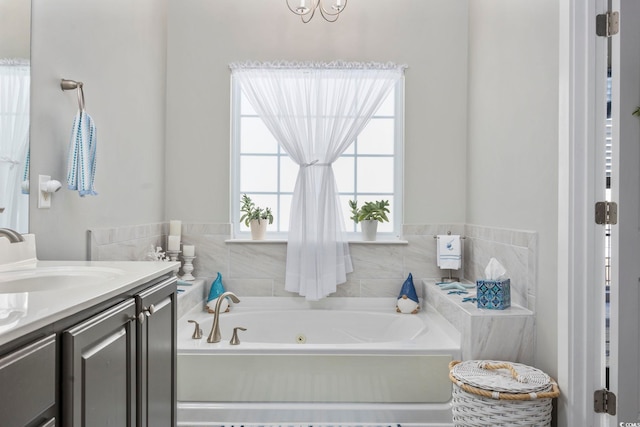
[314, 163]
[14, 162]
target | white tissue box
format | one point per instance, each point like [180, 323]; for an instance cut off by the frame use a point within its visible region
[494, 294]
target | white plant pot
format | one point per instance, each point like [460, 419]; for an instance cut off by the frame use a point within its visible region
[369, 229]
[258, 229]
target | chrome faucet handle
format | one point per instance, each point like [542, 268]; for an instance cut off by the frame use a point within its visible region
[197, 333]
[234, 338]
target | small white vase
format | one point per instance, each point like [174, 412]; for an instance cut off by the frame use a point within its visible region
[258, 229]
[369, 229]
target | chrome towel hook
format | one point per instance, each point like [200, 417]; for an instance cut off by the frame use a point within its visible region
[72, 84]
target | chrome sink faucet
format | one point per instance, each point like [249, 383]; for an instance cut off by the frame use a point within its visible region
[12, 235]
[215, 336]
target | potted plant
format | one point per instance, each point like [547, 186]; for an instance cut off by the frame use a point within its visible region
[368, 216]
[255, 217]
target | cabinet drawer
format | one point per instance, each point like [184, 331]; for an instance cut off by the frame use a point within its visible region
[28, 377]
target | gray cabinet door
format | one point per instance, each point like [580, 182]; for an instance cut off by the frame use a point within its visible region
[157, 356]
[99, 369]
[27, 382]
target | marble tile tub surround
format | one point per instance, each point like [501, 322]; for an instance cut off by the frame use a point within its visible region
[127, 243]
[486, 334]
[516, 250]
[192, 295]
[258, 268]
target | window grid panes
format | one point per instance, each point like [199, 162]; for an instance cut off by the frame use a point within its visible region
[368, 170]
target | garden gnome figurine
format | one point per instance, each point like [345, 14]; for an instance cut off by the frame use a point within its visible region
[408, 298]
[216, 290]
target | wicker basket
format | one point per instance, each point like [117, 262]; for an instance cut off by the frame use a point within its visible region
[490, 393]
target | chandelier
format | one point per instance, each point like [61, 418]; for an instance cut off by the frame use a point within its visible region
[305, 9]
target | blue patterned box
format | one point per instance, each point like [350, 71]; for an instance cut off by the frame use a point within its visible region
[494, 294]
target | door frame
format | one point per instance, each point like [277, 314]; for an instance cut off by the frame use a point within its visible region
[625, 239]
[580, 313]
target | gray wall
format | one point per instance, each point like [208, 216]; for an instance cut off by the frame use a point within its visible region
[15, 25]
[485, 59]
[118, 49]
[430, 36]
[512, 158]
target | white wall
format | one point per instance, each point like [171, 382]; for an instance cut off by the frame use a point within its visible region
[430, 36]
[512, 158]
[118, 49]
[15, 26]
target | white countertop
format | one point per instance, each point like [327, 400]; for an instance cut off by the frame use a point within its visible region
[38, 309]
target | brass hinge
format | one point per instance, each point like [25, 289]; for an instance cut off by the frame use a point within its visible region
[606, 213]
[604, 402]
[607, 24]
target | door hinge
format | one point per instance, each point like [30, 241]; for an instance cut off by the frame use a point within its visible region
[604, 402]
[607, 24]
[606, 213]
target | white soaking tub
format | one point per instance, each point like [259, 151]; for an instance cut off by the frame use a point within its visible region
[337, 360]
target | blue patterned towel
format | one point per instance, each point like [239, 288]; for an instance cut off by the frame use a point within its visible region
[81, 165]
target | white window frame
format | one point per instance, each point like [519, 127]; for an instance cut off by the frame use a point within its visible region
[398, 162]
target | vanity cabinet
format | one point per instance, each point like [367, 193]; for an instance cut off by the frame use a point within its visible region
[118, 366]
[28, 384]
[99, 369]
[157, 351]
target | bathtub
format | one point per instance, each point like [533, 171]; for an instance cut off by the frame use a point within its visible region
[339, 360]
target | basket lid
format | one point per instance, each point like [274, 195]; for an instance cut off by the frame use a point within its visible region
[503, 377]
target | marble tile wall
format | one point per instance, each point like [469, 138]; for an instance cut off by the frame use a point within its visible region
[486, 334]
[127, 243]
[257, 268]
[516, 250]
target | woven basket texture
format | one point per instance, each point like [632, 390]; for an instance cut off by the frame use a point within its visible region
[470, 410]
[500, 380]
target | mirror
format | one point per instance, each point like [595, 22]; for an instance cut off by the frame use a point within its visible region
[15, 41]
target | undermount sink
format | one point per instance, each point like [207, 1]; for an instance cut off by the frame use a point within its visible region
[54, 278]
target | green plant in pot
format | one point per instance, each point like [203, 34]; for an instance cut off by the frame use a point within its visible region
[255, 217]
[368, 215]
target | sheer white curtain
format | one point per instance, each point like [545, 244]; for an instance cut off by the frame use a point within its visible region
[315, 111]
[14, 141]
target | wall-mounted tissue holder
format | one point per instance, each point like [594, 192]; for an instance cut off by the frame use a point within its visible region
[47, 187]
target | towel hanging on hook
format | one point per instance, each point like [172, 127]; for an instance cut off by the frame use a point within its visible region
[81, 163]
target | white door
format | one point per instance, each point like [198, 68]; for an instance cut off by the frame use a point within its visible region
[624, 358]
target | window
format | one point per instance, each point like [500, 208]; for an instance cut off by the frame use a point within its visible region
[370, 169]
